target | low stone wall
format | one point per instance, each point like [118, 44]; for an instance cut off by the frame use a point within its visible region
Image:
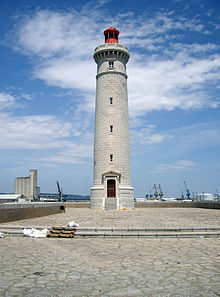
[20, 211]
[208, 204]
[199, 204]
[77, 205]
[196, 204]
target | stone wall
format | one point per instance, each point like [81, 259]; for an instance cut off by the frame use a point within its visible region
[20, 211]
[205, 204]
[77, 205]
[202, 204]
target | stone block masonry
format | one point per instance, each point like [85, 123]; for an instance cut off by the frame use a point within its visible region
[180, 204]
[111, 141]
[20, 211]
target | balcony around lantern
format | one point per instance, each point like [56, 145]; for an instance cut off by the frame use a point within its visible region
[111, 45]
[108, 49]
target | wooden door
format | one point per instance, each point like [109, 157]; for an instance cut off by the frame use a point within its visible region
[111, 188]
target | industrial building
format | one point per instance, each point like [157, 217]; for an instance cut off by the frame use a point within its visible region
[205, 197]
[27, 186]
[6, 198]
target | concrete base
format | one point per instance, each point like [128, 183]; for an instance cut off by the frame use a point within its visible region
[111, 204]
[124, 199]
[97, 197]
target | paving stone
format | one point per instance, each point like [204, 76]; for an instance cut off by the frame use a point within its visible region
[114, 266]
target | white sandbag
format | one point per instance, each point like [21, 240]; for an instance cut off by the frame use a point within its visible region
[73, 224]
[27, 232]
[40, 233]
[35, 233]
[1, 235]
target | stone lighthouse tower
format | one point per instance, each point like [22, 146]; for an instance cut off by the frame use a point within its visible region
[112, 186]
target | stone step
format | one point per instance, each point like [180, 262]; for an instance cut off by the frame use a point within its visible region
[128, 232]
[146, 235]
[112, 229]
[128, 235]
[111, 204]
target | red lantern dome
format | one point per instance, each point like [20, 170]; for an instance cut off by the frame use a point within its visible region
[111, 35]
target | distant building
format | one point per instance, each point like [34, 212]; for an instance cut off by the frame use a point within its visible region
[27, 186]
[217, 197]
[205, 197]
[5, 198]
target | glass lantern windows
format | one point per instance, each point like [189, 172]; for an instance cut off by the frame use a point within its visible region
[111, 64]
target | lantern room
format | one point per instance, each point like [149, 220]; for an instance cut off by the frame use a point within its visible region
[111, 35]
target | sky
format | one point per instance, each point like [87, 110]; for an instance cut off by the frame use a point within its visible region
[47, 91]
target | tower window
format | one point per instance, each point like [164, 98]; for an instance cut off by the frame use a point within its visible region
[111, 100]
[111, 128]
[111, 158]
[111, 64]
[110, 34]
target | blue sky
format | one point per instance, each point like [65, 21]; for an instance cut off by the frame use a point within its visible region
[47, 91]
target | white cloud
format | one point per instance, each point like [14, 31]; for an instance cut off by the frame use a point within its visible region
[67, 73]
[58, 34]
[176, 142]
[147, 135]
[53, 137]
[178, 165]
[48, 134]
[198, 136]
[146, 27]
[26, 96]
[194, 48]
[32, 132]
[72, 154]
[163, 73]
[171, 84]
[6, 101]
[43, 133]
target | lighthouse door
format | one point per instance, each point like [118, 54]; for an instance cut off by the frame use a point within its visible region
[111, 188]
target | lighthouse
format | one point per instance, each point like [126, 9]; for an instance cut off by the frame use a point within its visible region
[112, 185]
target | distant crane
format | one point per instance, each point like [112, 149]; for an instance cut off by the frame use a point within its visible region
[160, 192]
[155, 191]
[187, 191]
[148, 195]
[60, 193]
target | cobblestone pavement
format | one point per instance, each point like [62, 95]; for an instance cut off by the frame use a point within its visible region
[139, 217]
[109, 267]
[114, 266]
